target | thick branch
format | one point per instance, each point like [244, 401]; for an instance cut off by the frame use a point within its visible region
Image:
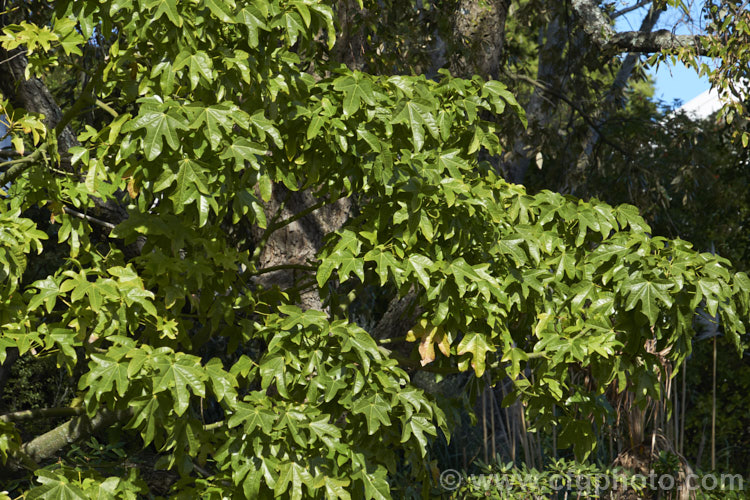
[599, 29]
[48, 444]
[400, 316]
[623, 74]
[656, 41]
[34, 96]
[17, 167]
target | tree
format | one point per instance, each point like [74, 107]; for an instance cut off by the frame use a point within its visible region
[188, 236]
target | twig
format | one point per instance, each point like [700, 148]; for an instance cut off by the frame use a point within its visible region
[21, 53]
[637, 6]
[201, 470]
[89, 218]
[562, 97]
[65, 411]
[391, 340]
[213, 426]
[282, 267]
[106, 108]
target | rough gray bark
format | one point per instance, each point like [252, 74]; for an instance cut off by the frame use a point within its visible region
[599, 29]
[401, 315]
[294, 245]
[32, 95]
[479, 26]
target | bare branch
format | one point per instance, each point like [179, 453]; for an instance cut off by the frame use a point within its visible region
[9, 59]
[626, 10]
[559, 95]
[656, 41]
[89, 218]
[17, 416]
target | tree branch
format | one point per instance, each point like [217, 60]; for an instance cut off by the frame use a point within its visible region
[599, 28]
[94, 220]
[554, 93]
[34, 96]
[9, 59]
[656, 41]
[298, 267]
[17, 167]
[637, 6]
[106, 107]
[618, 85]
[17, 416]
[48, 444]
[401, 315]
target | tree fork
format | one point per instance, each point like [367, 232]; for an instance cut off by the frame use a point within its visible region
[598, 27]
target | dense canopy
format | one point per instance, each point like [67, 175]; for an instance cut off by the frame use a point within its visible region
[192, 226]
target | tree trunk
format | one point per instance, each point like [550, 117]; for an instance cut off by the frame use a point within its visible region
[479, 35]
[349, 46]
[292, 242]
[33, 96]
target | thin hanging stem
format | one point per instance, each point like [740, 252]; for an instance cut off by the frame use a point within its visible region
[484, 423]
[684, 404]
[713, 415]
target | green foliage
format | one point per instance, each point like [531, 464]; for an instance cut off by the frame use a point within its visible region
[729, 24]
[75, 483]
[215, 106]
